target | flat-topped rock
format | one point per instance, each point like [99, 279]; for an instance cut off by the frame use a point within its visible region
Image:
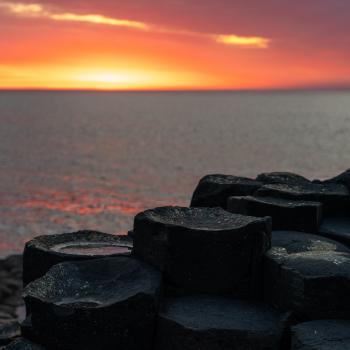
[298, 242]
[313, 284]
[203, 250]
[321, 335]
[42, 252]
[213, 190]
[95, 304]
[337, 228]
[282, 178]
[8, 332]
[334, 197]
[23, 344]
[212, 323]
[286, 214]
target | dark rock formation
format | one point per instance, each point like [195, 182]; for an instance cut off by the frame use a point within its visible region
[43, 252]
[10, 290]
[282, 178]
[214, 190]
[334, 197]
[23, 344]
[108, 303]
[203, 250]
[321, 335]
[209, 323]
[286, 214]
[8, 331]
[343, 178]
[337, 229]
[313, 284]
[298, 242]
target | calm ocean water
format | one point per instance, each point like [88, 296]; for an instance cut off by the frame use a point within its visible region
[71, 161]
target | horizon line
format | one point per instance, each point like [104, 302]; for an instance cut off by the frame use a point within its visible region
[273, 89]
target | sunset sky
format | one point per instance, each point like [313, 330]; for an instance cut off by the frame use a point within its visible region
[174, 44]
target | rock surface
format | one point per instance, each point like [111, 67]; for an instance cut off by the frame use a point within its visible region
[203, 250]
[334, 197]
[42, 252]
[23, 344]
[282, 178]
[286, 214]
[337, 229]
[313, 284]
[298, 242]
[97, 304]
[209, 323]
[8, 332]
[214, 190]
[321, 335]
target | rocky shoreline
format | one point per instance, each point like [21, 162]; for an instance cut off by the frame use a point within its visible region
[256, 264]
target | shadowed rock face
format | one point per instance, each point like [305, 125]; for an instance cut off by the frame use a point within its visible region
[286, 214]
[42, 252]
[334, 197]
[337, 229]
[282, 178]
[203, 250]
[313, 284]
[96, 304]
[212, 323]
[9, 331]
[322, 335]
[214, 190]
[23, 344]
[298, 242]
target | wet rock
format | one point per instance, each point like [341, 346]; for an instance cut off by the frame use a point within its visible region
[9, 331]
[43, 252]
[108, 303]
[337, 228]
[286, 214]
[214, 190]
[282, 178]
[298, 242]
[209, 323]
[23, 344]
[334, 197]
[203, 250]
[321, 335]
[312, 284]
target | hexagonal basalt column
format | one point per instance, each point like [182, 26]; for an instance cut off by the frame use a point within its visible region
[214, 190]
[282, 178]
[286, 214]
[209, 323]
[321, 335]
[334, 197]
[337, 228]
[312, 284]
[203, 250]
[299, 242]
[42, 252]
[108, 303]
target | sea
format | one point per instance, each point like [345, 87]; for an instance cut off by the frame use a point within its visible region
[93, 160]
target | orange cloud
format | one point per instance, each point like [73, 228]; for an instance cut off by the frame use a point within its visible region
[38, 10]
[244, 41]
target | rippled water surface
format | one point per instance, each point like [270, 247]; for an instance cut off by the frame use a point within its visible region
[72, 161]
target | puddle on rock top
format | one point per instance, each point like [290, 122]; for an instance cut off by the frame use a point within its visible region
[91, 248]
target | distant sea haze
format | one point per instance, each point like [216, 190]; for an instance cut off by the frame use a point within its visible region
[76, 160]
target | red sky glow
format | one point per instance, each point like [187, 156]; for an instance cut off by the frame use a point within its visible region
[174, 44]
